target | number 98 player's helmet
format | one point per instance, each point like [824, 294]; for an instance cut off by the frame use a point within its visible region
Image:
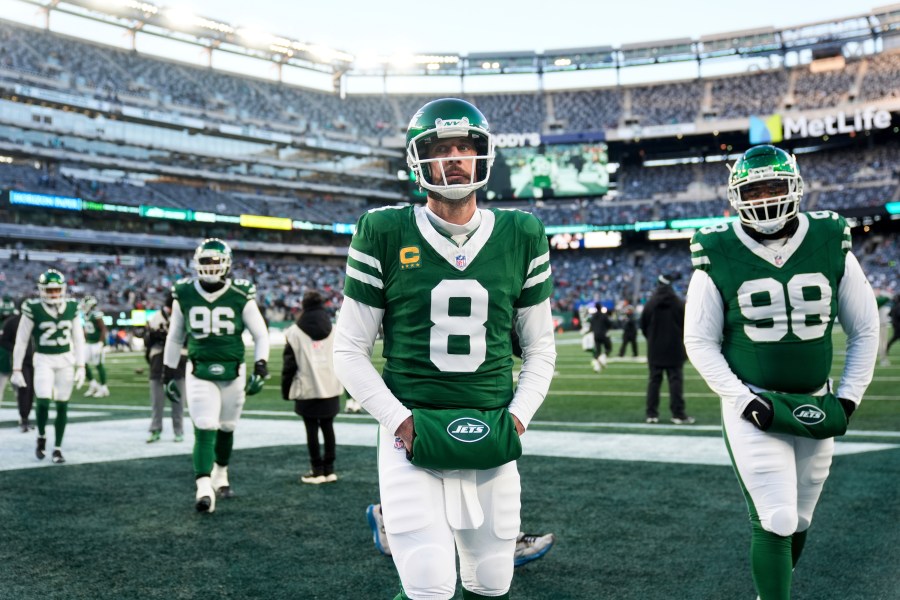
[212, 260]
[449, 118]
[765, 188]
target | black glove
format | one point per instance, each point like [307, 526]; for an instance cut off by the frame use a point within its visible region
[849, 407]
[759, 413]
[169, 385]
[260, 368]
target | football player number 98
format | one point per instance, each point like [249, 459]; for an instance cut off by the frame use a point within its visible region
[809, 295]
[471, 325]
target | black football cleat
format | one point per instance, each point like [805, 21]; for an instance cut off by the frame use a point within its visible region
[41, 450]
[58, 457]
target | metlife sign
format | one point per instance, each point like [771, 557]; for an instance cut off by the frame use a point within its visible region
[841, 122]
[775, 128]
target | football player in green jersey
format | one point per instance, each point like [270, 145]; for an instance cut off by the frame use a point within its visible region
[95, 338]
[212, 311]
[445, 281]
[53, 323]
[761, 305]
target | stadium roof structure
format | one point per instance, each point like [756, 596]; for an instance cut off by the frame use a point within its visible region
[140, 16]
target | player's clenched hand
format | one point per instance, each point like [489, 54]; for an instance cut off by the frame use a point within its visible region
[849, 407]
[520, 429]
[258, 379]
[169, 384]
[759, 413]
[79, 377]
[18, 380]
[405, 432]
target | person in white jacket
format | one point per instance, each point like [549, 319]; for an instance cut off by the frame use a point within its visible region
[761, 306]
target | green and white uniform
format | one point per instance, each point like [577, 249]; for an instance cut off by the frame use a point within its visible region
[213, 324]
[759, 317]
[447, 307]
[93, 337]
[58, 346]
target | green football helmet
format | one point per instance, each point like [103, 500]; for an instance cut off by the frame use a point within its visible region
[52, 287]
[7, 307]
[88, 303]
[765, 188]
[212, 260]
[448, 118]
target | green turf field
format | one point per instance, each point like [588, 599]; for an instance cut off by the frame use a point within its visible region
[627, 528]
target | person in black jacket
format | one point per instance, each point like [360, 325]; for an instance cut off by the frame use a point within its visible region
[24, 395]
[629, 333]
[308, 379]
[662, 323]
[600, 326]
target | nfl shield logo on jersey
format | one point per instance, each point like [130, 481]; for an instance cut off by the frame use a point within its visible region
[460, 261]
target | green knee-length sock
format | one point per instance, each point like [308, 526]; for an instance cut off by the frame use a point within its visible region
[204, 451]
[224, 444]
[101, 374]
[59, 425]
[88, 374]
[798, 541]
[42, 414]
[771, 563]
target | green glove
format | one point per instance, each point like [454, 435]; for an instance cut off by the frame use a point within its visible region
[256, 381]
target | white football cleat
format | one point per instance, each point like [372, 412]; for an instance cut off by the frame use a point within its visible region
[532, 546]
[219, 480]
[595, 364]
[206, 497]
[603, 360]
[93, 388]
[102, 391]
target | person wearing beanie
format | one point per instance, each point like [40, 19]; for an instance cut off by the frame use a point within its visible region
[308, 379]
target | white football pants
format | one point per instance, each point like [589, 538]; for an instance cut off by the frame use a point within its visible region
[426, 512]
[54, 376]
[215, 404]
[783, 474]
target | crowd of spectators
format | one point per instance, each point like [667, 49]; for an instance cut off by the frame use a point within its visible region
[127, 77]
[614, 276]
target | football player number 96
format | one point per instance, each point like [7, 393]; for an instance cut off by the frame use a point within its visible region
[786, 312]
[218, 321]
[471, 325]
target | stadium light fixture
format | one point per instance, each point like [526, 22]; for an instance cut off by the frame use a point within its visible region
[256, 37]
[180, 17]
[402, 60]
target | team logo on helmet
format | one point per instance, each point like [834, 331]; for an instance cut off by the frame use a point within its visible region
[468, 430]
[809, 414]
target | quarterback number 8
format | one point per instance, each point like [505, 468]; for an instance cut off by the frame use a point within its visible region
[778, 318]
[470, 326]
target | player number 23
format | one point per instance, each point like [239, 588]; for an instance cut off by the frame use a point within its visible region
[786, 312]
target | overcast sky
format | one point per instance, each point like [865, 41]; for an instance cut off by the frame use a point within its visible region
[391, 26]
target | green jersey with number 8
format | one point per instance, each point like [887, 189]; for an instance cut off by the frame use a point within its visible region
[52, 333]
[780, 301]
[448, 309]
[214, 326]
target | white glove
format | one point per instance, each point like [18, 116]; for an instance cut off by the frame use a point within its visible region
[18, 380]
[79, 377]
